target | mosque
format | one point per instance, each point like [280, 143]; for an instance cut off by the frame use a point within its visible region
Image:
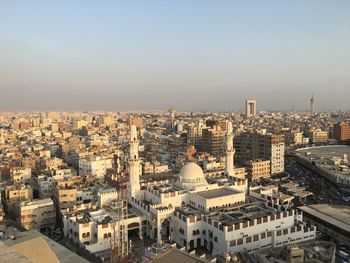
[218, 213]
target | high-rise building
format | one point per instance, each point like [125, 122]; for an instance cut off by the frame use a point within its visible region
[213, 141]
[312, 106]
[341, 132]
[252, 146]
[250, 108]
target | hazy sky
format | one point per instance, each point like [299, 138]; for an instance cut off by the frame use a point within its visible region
[193, 55]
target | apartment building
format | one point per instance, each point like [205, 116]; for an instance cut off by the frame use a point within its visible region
[319, 136]
[20, 175]
[36, 214]
[95, 166]
[251, 146]
[341, 132]
[213, 141]
[258, 169]
[15, 194]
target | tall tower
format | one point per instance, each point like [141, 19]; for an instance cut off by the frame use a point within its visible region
[312, 106]
[172, 112]
[2, 140]
[250, 108]
[134, 164]
[230, 152]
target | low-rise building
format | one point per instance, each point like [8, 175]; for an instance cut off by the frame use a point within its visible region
[36, 214]
[258, 169]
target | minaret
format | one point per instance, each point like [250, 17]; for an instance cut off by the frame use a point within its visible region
[2, 140]
[230, 152]
[312, 107]
[134, 164]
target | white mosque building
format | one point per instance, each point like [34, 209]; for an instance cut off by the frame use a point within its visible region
[215, 213]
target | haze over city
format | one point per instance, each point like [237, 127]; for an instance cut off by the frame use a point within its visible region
[194, 55]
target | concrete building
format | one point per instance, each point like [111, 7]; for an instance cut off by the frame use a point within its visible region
[258, 169]
[36, 214]
[312, 251]
[14, 194]
[295, 139]
[332, 220]
[319, 136]
[250, 108]
[20, 175]
[341, 132]
[95, 166]
[213, 141]
[252, 146]
[330, 162]
[194, 135]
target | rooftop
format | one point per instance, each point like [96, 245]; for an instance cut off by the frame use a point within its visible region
[338, 216]
[50, 251]
[215, 193]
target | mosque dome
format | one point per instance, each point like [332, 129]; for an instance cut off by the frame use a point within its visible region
[191, 176]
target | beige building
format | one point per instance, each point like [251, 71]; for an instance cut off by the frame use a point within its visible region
[258, 169]
[320, 136]
[36, 214]
[18, 193]
[20, 175]
[12, 195]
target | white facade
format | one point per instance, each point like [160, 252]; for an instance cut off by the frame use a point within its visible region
[134, 164]
[229, 165]
[96, 167]
[277, 158]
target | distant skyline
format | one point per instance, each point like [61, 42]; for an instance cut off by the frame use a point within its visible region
[193, 55]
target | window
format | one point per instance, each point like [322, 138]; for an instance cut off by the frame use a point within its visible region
[269, 234]
[279, 232]
[251, 223]
[248, 239]
[240, 241]
[256, 238]
[263, 235]
[232, 243]
[259, 221]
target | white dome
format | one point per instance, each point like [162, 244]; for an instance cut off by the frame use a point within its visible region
[191, 175]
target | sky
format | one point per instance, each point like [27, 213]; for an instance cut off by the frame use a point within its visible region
[193, 55]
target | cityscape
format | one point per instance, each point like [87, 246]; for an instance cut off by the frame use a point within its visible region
[153, 171]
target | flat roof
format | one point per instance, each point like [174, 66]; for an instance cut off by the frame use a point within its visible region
[337, 216]
[11, 255]
[215, 193]
[175, 256]
[326, 151]
[50, 251]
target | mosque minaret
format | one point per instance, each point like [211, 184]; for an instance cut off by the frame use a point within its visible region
[230, 152]
[134, 164]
